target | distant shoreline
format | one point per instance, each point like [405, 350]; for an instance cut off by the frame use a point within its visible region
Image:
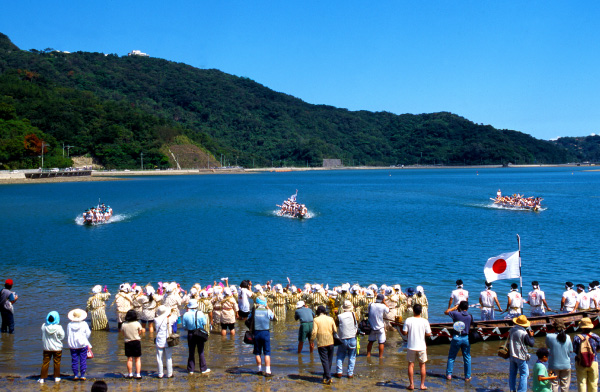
[122, 175]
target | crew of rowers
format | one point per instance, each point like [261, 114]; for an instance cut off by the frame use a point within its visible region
[98, 214]
[224, 303]
[517, 200]
[571, 300]
[292, 208]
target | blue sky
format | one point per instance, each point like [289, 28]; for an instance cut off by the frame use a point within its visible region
[528, 66]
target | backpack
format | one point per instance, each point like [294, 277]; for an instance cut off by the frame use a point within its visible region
[585, 356]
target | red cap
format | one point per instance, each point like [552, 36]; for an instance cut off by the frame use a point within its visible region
[9, 282]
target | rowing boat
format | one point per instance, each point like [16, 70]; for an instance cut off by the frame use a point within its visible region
[441, 333]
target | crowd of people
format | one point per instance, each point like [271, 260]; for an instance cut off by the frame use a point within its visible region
[327, 317]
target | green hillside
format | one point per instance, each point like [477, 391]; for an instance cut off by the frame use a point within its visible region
[114, 108]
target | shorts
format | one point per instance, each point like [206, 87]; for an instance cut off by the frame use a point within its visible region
[262, 343]
[243, 315]
[230, 327]
[133, 349]
[412, 355]
[305, 331]
[378, 336]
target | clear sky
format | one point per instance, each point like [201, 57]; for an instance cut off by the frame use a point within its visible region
[531, 66]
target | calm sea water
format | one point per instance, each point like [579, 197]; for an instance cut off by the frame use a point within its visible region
[412, 227]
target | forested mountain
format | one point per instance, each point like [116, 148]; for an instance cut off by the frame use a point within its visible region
[586, 148]
[115, 108]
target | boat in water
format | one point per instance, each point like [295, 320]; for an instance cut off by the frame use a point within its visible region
[518, 202]
[97, 215]
[490, 330]
[292, 208]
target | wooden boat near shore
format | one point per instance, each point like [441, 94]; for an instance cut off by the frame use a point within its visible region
[441, 333]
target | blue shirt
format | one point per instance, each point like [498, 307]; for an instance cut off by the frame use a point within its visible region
[559, 358]
[305, 315]
[465, 317]
[190, 322]
[263, 317]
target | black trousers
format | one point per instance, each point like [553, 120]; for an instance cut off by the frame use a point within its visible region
[8, 321]
[326, 355]
[194, 344]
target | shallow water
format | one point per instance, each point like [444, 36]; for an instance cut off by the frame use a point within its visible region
[427, 227]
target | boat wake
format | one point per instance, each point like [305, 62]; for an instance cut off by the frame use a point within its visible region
[501, 207]
[113, 219]
[309, 215]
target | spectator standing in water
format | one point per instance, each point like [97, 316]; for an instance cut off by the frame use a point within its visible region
[417, 329]
[460, 341]
[323, 330]
[7, 299]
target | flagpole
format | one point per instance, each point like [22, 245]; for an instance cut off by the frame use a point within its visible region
[520, 273]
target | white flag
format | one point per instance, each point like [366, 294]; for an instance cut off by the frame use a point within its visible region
[504, 266]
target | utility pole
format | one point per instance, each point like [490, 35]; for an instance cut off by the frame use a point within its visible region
[43, 146]
[142, 155]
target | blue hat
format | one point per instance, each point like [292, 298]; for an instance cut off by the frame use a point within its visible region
[410, 291]
[261, 301]
[55, 318]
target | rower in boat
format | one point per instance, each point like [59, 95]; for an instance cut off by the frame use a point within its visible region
[515, 302]
[537, 300]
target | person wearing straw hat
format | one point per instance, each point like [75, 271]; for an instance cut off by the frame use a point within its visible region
[164, 323]
[560, 348]
[96, 305]
[348, 329]
[78, 334]
[306, 317]
[586, 346]
[518, 340]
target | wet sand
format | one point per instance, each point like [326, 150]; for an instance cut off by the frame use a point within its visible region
[232, 367]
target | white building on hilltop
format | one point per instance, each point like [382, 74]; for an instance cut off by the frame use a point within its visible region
[138, 53]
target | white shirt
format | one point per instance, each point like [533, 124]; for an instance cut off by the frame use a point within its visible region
[570, 297]
[416, 327]
[243, 302]
[516, 299]
[459, 295]
[487, 298]
[584, 300]
[376, 313]
[536, 298]
[594, 294]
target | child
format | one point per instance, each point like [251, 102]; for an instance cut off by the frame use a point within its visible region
[133, 348]
[541, 380]
[52, 334]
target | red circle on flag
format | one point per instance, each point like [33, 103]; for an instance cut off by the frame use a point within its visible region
[499, 266]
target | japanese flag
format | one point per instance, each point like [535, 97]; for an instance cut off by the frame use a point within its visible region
[504, 266]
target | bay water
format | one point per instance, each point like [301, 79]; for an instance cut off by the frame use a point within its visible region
[411, 227]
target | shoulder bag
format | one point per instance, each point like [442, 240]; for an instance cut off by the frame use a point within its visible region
[503, 351]
[199, 333]
[172, 338]
[474, 335]
[364, 327]
[249, 334]
[90, 353]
